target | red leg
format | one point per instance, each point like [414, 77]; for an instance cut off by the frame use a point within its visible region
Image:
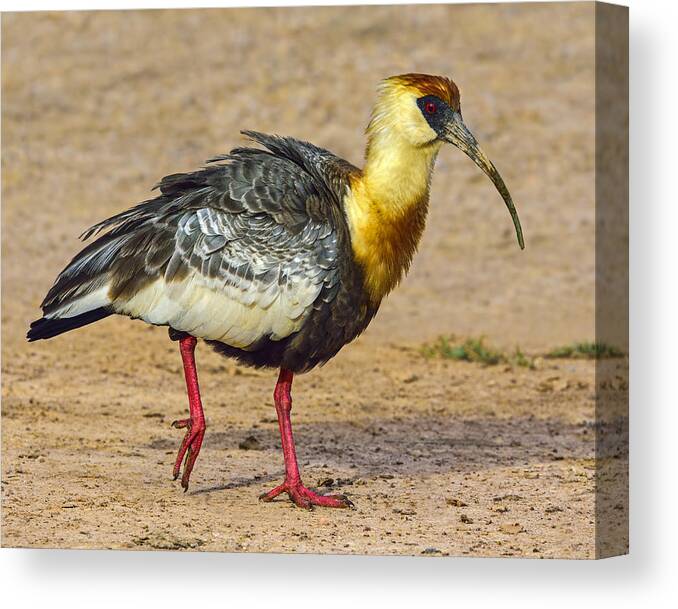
[298, 493]
[195, 425]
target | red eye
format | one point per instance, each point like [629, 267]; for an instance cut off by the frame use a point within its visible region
[430, 108]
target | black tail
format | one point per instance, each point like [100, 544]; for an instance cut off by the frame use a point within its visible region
[48, 328]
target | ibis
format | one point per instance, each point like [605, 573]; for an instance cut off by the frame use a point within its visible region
[276, 254]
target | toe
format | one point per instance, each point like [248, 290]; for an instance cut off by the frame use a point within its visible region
[272, 494]
[338, 501]
[345, 501]
[301, 501]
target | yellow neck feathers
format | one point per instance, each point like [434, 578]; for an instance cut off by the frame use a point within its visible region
[387, 203]
[387, 207]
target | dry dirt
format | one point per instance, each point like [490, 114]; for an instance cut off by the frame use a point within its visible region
[439, 457]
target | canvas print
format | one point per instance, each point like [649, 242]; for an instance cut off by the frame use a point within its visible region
[376, 302]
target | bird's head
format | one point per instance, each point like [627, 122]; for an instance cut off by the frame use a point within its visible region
[424, 111]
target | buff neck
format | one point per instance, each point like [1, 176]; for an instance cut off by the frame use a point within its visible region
[387, 206]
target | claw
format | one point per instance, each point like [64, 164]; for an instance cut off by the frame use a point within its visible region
[345, 499]
[181, 423]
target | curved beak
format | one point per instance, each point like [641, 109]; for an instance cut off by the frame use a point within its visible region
[455, 132]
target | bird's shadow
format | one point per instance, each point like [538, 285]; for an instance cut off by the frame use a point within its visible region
[420, 446]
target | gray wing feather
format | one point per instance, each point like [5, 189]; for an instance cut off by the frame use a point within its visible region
[261, 228]
[250, 234]
[252, 252]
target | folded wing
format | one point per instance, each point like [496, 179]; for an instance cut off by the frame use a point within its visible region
[236, 252]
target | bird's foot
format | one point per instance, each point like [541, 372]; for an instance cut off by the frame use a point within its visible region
[190, 448]
[306, 498]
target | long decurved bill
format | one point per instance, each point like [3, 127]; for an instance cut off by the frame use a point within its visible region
[455, 132]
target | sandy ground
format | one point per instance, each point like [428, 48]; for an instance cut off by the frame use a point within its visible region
[439, 457]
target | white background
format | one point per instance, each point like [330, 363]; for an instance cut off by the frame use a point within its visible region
[646, 578]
